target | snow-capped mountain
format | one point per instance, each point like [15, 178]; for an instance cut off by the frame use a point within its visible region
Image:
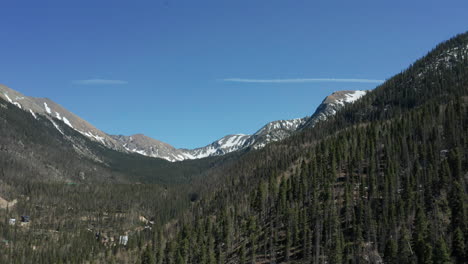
[147, 146]
[271, 132]
[331, 104]
[227, 144]
[150, 147]
[276, 131]
[141, 144]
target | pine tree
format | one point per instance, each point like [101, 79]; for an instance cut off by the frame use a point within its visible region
[242, 254]
[147, 257]
[441, 253]
[458, 207]
[391, 252]
[180, 259]
[458, 246]
[405, 251]
[422, 247]
[160, 249]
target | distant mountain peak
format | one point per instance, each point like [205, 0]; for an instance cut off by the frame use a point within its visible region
[333, 103]
[271, 132]
[147, 146]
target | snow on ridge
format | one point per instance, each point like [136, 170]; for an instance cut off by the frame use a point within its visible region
[8, 98]
[47, 108]
[291, 124]
[354, 96]
[232, 141]
[57, 127]
[17, 104]
[188, 155]
[141, 152]
[65, 120]
[90, 135]
[350, 98]
[33, 114]
[12, 102]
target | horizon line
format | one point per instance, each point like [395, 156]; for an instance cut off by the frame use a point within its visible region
[301, 80]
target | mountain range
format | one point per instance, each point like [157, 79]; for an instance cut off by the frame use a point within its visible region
[144, 145]
[371, 177]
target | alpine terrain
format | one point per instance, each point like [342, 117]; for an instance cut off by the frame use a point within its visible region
[377, 176]
[143, 145]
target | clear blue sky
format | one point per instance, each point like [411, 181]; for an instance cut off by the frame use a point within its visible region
[168, 59]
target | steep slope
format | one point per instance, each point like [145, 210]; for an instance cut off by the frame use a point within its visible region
[383, 181]
[45, 148]
[331, 104]
[34, 148]
[50, 109]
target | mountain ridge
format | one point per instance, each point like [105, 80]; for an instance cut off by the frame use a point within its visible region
[147, 146]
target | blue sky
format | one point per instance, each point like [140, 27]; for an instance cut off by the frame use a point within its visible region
[189, 72]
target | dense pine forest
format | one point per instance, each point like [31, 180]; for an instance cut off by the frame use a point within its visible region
[383, 181]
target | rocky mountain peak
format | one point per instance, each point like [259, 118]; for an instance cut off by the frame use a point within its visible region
[331, 104]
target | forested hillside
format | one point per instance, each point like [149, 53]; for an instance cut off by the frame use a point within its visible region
[383, 181]
[72, 187]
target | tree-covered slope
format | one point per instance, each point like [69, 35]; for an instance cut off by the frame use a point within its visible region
[41, 148]
[382, 181]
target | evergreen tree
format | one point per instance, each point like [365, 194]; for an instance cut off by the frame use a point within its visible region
[422, 246]
[441, 253]
[391, 252]
[458, 246]
[147, 257]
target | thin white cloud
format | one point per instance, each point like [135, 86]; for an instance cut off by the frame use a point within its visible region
[302, 80]
[99, 82]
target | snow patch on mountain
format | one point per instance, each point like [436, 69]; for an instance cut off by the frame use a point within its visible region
[57, 127]
[65, 120]
[91, 135]
[33, 114]
[7, 97]
[47, 108]
[13, 102]
[352, 97]
[18, 105]
[332, 104]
